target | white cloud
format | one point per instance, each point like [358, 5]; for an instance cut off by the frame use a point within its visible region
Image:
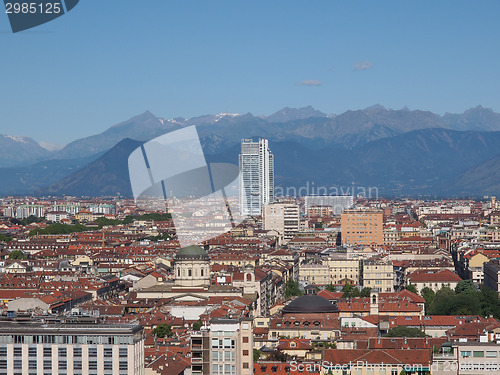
[365, 65]
[310, 82]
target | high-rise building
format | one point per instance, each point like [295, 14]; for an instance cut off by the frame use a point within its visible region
[362, 227]
[225, 347]
[284, 218]
[256, 165]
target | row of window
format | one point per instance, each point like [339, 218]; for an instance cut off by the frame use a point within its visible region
[62, 352]
[479, 354]
[62, 365]
[65, 339]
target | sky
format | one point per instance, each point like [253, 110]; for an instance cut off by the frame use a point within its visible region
[108, 60]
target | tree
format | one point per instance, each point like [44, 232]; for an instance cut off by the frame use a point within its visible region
[403, 331]
[197, 325]
[331, 288]
[17, 254]
[442, 302]
[465, 286]
[292, 289]
[4, 238]
[365, 292]
[350, 291]
[256, 355]
[412, 288]
[162, 330]
[429, 295]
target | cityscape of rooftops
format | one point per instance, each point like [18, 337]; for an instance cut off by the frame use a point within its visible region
[249, 188]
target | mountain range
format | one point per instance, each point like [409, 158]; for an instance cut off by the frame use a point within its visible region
[400, 152]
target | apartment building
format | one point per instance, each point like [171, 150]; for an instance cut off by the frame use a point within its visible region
[491, 274]
[330, 271]
[377, 274]
[225, 347]
[362, 227]
[62, 347]
[283, 218]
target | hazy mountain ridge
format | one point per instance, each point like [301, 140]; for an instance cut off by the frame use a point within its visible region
[399, 150]
[15, 150]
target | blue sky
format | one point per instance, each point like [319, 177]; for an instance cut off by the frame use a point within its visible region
[108, 60]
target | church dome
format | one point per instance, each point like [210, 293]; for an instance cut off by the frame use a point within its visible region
[310, 303]
[192, 252]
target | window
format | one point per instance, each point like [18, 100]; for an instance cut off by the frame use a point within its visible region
[215, 356]
[47, 364]
[18, 352]
[77, 352]
[108, 352]
[32, 364]
[32, 352]
[245, 339]
[63, 364]
[108, 365]
[3, 351]
[245, 352]
[215, 369]
[3, 364]
[123, 365]
[47, 352]
[77, 365]
[18, 364]
[92, 352]
[227, 355]
[491, 354]
[123, 352]
[92, 365]
[62, 352]
[465, 354]
[478, 354]
[245, 365]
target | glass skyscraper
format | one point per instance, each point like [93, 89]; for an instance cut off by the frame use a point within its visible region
[256, 164]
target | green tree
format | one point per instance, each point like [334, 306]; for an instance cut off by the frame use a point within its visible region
[365, 292]
[318, 225]
[162, 330]
[331, 288]
[256, 355]
[197, 325]
[350, 291]
[4, 238]
[465, 286]
[412, 288]
[292, 289]
[17, 254]
[443, 301]
[429, 295]
[403, 331]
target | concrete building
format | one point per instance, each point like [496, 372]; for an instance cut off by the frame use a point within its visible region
[433, 280]
[284, 218]
[491, 274]
[256, 165]
[224, 347]
[362, 227]
[378, 275]
[64, 347]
